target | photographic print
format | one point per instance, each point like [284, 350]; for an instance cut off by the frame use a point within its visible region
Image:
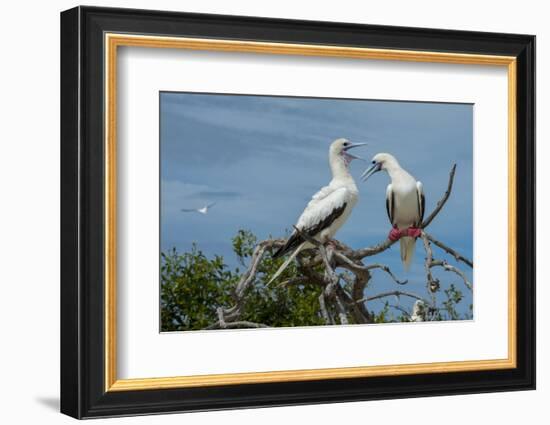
[282, 211]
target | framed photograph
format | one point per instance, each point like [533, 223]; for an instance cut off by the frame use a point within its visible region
[261, 212]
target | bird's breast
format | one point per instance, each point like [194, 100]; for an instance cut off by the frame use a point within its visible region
[406, 208]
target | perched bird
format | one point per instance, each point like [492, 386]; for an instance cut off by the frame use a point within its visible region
[419, 311]
[404, 204]
[203, 210]
[328, 209]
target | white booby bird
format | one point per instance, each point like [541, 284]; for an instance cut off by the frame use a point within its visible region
[404, 203]
[418, 311]
[203, 210]
[328, 209]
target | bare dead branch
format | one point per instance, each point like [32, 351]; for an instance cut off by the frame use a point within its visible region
[331, 278]
[432, 284]
[313, 276]
[370, 251]
[442, 201]
[358, 267]
[390, 294]
[360, 311]
[235, 325]
[456, 270]
[342, 313]
[324, 311]
[250, 274]
[388, 271]
[456, 255]
[347, 277]
[301, 280]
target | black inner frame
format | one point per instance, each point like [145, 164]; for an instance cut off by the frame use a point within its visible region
[82, 206]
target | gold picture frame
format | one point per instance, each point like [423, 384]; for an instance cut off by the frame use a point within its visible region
[114, 41]
[91, 39]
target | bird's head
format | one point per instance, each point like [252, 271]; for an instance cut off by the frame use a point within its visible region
[380, 161]
[340, 149]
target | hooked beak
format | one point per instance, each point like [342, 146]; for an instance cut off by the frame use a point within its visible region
[352, 146]
[374, 169]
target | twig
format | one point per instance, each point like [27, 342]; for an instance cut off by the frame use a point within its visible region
[234, 325]
[370, 251]
[359, 267]
[294, 281]
[234, 312]
[442, 201]
[324, 311]
[456, 255]
[221, 318]
[388, 271]
[331, 278]
[341, 311]
[432, 283]
[361, 313]
[391, 293]
[310, 273]
[250, 274]
[453, 269]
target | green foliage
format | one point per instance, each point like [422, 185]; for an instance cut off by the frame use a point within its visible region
[296, 305]
[383, 315]
[243, 245]
[193, 287]
[453, 297]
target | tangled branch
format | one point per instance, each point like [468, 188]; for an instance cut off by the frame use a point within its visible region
[342, 297]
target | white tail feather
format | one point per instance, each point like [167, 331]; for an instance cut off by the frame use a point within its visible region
[286, 263]
[407, 246]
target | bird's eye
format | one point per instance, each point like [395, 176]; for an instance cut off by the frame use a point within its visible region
[374, 162]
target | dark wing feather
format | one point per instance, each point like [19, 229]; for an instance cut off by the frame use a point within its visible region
[293, 241]
[422, 207]
[296, 238]
[421, 202]
[390, 203]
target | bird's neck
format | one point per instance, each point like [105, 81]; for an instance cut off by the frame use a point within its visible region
[393, 171]
[339, 168]
[397, 173]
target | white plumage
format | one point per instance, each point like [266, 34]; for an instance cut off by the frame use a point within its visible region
[328, 209]
[418, 311]
[404, 203]
[324, 203]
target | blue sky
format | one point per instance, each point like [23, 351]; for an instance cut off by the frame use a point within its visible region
[261, 158]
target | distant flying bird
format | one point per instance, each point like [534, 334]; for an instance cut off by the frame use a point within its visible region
[203, 210]
[404, 204]
[328, 209]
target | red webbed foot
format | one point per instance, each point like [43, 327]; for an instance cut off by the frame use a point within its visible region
[414, 232]
[395, 234]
